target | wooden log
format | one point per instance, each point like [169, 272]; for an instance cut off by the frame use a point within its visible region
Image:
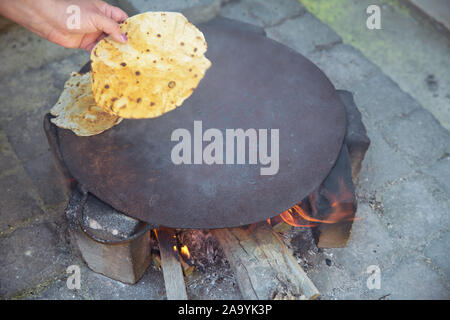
[263, 266]
[279, 225]
[188, 269]
[170, 261]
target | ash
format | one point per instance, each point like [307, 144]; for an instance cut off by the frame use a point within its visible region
[213, 277]
[301, 242]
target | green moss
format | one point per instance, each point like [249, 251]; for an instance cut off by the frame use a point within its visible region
[33, 292]
[348, 19]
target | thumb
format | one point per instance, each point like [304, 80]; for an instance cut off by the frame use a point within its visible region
[110, 27]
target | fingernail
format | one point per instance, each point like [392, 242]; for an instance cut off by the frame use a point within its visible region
[124, 37]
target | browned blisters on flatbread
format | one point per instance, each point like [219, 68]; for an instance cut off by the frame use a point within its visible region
[106, 86]
[123, 64]
[160, 55]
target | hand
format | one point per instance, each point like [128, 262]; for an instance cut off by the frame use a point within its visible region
[49, 19]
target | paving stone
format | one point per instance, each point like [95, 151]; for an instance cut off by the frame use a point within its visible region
[438, 251]
[344, 65]
[98, 287]
[332, 282]
[413, 279]
[31, 257]
[26, 92]
[26, 134]
[197, 11]
[8, 158]
[382, 99]
[415, 210]
[22, 50]
[439, 10]
[261, 12]
[382, 164]
[407, 49]
[441, 172]
[44, 175]
[370, 244]
[18, 199]
[296, 33]
[58, 291]
[32, 95]
[151, 287]
[419, 136]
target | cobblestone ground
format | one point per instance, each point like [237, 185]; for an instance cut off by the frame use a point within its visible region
[403, 188]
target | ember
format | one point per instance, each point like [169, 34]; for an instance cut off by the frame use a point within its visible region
[185, 252]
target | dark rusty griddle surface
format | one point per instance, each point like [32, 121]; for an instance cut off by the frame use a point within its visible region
[254, 82]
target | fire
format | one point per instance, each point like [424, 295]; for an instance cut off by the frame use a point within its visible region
[341, 210]
[289, 216]
[185, 252]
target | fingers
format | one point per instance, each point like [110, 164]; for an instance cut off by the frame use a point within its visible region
[110, 27]
[118, 14]
[112, 12]
[91, 41]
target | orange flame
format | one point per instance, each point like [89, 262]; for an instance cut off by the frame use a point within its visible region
[185, 252]
[289, 217]
[339, 205]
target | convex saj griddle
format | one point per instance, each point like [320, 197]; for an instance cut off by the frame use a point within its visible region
[253, 83]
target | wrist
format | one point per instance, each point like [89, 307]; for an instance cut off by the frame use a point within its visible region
[29, 13]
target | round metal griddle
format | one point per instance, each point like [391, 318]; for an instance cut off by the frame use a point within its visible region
[254, 82]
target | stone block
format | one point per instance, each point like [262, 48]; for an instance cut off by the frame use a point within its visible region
[262, 13]
[419, 136]
[32, 257]
[297, 34]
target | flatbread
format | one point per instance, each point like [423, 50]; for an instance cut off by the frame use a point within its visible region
[76, 109]
[155, 71]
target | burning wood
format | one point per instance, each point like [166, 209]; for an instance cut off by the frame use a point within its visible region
[172, 271]
[270, 269]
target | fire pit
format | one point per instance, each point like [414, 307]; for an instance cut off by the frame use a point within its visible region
[257, 89]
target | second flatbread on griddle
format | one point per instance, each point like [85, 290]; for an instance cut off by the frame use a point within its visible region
[76, 109]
